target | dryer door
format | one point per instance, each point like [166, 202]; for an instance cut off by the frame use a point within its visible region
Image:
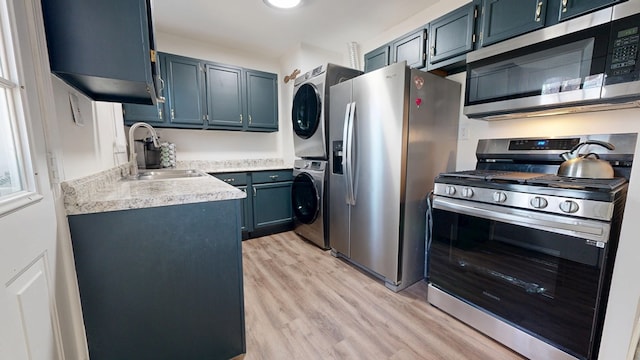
[306, 111]
[305, 198]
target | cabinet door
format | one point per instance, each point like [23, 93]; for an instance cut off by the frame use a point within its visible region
[247, 213]
[452, 35]
[224, 97]
[272, 204]
[376, 59]
[262, 101]
[410, 48]
[504, 19]
[185, 89]
[573, 8]
[151, 114]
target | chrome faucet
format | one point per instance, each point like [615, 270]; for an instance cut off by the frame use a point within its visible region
[133, 163]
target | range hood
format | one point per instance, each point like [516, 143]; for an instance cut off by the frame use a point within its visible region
[581, 65]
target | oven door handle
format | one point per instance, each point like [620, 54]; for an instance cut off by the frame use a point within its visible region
[582, 228]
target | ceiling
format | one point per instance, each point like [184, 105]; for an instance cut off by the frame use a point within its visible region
[252, 26]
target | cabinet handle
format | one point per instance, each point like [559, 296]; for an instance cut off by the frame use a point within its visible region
[254, 192]
[160, 113]
[173, 114]
[538, 11]
[273, 177]
[240, 117]
[229, 180]
[564, 5]
[432, 51]
[249, 119]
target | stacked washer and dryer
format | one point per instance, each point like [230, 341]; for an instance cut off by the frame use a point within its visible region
[310, 119]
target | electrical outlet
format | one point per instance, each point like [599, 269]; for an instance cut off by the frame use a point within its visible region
[463, 133]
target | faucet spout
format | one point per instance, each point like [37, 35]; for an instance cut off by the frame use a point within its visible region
[133, 164]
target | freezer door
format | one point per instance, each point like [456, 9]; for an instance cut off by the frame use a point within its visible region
[340, 103]
[379, 130]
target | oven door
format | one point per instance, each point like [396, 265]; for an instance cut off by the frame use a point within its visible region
[539, 272]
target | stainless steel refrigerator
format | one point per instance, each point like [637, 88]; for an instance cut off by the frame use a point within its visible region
[392, 132]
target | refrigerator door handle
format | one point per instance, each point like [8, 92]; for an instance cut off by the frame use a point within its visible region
[350, 155]
[346, 161]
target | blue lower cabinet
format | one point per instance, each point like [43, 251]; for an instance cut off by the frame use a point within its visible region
[161, 283]
[267, 208]
[272, 204]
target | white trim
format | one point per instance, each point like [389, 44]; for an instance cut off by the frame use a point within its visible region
[18, 201]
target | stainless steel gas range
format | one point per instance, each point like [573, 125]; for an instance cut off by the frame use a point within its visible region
[524, 255]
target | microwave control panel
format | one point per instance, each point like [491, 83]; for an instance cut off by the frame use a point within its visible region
[623, 51]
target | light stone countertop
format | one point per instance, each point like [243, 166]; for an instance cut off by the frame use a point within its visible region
[105, 191]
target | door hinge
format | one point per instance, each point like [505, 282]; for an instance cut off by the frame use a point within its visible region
[475, 13]
[473, 38]
[424, 56]
[153, 55]
[424, 35]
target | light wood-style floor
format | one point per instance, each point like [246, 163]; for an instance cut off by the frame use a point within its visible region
[302, 303]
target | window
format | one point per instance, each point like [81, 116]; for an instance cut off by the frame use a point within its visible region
[14, 151]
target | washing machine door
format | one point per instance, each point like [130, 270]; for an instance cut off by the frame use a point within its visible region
[305, 198]
[306, 111]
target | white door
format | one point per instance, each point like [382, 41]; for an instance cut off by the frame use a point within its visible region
[28, 319]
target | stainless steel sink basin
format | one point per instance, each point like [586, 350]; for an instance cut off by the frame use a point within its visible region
[166, 174]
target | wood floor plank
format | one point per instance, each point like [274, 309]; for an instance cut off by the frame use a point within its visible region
[303, 303]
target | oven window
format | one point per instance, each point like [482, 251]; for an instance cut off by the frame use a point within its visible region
[541, 282]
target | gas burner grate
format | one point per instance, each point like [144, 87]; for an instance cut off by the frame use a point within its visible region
[577, 183]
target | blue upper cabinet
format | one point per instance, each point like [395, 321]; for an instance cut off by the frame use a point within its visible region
[185, 90]
[224, 97]
[377, 58]
[410, 48]
[207, 95]
[103, 48]
[452, 36]
[504, 19]
[573, 8]
[262, 101]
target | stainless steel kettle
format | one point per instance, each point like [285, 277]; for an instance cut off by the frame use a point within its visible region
[587, 165]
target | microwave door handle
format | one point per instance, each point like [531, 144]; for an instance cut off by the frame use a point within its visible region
[351, 155]
[584, 229]
[346, 160]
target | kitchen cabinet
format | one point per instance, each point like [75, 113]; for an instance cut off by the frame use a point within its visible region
[241, 181]
[224, 96]
[185, 91]
[262, 100]
[152, 114]
[452, 36]
[208, 95]
[267, 207]
[271, 198]
[376, 59]
[573, 8]
[104, 49]
[161, 282]
[504, 19]
[410, 48]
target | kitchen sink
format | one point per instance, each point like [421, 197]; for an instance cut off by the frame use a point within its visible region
[165, 174]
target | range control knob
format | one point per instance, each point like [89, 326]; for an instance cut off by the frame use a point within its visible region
[499, 197]
[467, 192]
[450, 190]
[569, 206]
[538, 202]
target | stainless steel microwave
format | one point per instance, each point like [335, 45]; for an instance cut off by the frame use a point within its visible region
[589, 63]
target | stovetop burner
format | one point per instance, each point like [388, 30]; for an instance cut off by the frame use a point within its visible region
[538, 179]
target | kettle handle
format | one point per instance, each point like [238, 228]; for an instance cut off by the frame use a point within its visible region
[593, 142]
